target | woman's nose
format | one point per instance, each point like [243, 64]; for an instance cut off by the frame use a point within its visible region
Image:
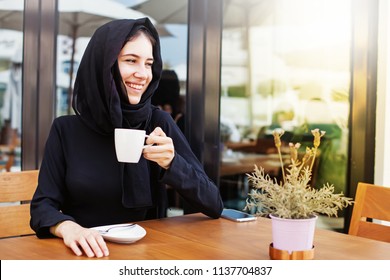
[140, 72]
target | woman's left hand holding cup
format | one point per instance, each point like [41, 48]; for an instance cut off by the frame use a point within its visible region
[161, 150]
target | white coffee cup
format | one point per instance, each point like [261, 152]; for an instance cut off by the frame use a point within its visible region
[129, 144]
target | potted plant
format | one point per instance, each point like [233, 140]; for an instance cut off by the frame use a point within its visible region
[293, 204]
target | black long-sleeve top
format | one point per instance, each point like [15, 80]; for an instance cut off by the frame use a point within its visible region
[79, 178]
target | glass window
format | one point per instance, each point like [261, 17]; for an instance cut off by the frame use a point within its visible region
[11, 60]
[285, 64]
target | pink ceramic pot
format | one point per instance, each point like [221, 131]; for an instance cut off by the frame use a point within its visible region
[293, 234]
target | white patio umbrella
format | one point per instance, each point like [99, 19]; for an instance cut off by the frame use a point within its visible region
[77, 18]
[236, 12]
[10, 14]
[166, 11]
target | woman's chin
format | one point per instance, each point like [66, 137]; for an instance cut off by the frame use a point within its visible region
[134, 100]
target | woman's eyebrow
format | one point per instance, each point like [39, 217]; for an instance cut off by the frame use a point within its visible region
[136, 56]
[130, 54]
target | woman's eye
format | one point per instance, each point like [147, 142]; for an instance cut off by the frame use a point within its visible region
[130, 60]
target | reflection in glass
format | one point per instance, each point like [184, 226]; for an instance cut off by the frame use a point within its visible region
[11, 60]
[284, 64]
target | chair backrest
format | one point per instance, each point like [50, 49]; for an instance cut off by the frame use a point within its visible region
[16, 191]
[371, 207]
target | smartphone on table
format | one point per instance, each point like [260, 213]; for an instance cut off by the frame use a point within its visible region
[237, 216]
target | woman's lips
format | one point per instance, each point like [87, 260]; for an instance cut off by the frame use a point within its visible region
[134, 86]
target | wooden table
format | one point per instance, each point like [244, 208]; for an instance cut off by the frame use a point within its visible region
[197, 237]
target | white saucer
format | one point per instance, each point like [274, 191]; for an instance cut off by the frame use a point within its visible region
[123, 235]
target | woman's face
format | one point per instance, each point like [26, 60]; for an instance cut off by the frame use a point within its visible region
[135, 65]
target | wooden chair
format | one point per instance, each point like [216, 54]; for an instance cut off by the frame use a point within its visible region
[16, 191]
[372, 204]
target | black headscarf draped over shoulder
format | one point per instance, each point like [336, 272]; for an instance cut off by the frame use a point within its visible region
[96, 99]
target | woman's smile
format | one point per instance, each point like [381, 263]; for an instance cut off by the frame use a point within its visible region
[134, 86]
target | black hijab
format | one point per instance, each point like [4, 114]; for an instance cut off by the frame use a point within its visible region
[101, 102]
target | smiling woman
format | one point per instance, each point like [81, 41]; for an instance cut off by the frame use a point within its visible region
[81, 183]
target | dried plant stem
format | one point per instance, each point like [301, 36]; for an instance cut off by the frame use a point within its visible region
[313, 159]
[277, 134]
[281, 164]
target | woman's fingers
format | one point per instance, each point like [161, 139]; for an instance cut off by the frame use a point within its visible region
[162, 150]
[157, 132]
[86, 247]
[92, 246]
[102, 244]
[75, 248]
[83, 240]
